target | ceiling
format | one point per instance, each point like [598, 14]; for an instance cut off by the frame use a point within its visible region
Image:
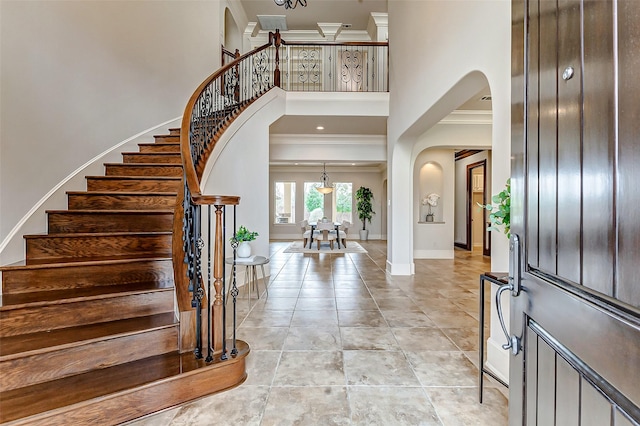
[356, 14]
[353, 12]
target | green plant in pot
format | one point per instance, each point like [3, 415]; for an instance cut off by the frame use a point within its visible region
[500, 213]
[242, 238]
[364, 206]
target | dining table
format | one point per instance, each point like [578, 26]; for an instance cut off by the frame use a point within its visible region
[314, 226]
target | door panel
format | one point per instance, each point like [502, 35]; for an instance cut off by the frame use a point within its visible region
[567, 168]
[547, 154]
[575, 202]
[568, 390]
[598, 240]
[628, 193]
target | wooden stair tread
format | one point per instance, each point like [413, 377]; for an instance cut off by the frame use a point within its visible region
[80, 263]
[144, 164]
[52, 297]
[97, 234]
[113, 177]
[107, 382]
[27, 344]
[120, 194]
[46, 262]
[140, 212]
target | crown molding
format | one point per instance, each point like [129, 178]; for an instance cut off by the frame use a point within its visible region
[468, 117]
[343, 139]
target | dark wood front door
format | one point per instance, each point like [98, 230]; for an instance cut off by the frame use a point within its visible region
[575, 299]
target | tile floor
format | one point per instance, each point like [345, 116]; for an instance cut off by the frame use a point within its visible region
[337, 341]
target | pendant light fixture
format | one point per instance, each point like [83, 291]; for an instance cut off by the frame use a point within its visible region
[291, 4]
[325, 188]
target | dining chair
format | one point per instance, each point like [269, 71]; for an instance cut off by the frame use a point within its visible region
[344, 231]
[306, 232]
[323, 233]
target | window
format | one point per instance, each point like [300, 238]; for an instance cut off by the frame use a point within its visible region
[285, 202]
[342, 202]
[313, 202]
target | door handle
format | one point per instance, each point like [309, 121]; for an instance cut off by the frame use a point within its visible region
[513, 342]
[514, 286]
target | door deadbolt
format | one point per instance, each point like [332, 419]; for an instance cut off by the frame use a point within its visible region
[567, 73]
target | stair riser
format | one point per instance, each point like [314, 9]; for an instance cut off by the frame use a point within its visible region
[52, 248]
[159, 147]
[152, 158]
[129, 405]
[109, 222]
[89, 201]
[128, 185]
[175, 131]
[51, 317]
[56, 364]
[142, 170]
[87, 276]
[167, 138]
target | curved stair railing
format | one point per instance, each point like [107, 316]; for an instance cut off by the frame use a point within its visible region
[210, 110]
[361, 67]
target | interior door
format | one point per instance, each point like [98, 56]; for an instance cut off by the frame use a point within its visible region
[575, 253]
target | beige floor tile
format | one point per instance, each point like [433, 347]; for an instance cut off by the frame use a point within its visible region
[423, 339]
[310, 368]
[385, 406]
[242, 405]
[378, 368]
[401, 318]
[261, 367]
[314, 319]
[307, 406]
[361, 319]
[313, 339]
[338, 341]
[440, 368]
[460, 406]
[316, 304]
[263, 338]
[368, 338]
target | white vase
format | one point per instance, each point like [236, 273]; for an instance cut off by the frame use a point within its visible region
[364, 234]
[244, 249]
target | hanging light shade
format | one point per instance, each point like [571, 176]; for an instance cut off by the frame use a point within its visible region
[325, 188]
[291, 4]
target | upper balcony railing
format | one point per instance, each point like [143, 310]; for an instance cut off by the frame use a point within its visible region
[335, 67]
[199, 261]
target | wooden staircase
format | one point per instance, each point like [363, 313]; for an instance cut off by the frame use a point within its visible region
[88, 330]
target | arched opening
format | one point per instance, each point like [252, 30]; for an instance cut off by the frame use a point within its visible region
[232, 35]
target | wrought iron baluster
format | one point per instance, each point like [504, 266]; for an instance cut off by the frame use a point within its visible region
[209, 328]
[234, 286]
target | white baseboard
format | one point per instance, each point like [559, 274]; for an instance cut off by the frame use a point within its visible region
[400, 268]
[497, 360]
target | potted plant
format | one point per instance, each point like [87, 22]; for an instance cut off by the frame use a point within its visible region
[242, 238]
[364, 196]
[500, 213]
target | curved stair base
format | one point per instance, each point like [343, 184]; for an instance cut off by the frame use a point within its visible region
[94, 398]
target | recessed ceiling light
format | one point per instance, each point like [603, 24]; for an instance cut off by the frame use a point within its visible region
[353, 164]
[320, 128]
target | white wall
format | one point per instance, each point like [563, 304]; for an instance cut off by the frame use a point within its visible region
[434, 240]
[468, 46]
[78, 77]
[371, 177]
[443, 53]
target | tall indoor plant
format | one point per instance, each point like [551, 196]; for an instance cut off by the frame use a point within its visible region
[364, 206]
